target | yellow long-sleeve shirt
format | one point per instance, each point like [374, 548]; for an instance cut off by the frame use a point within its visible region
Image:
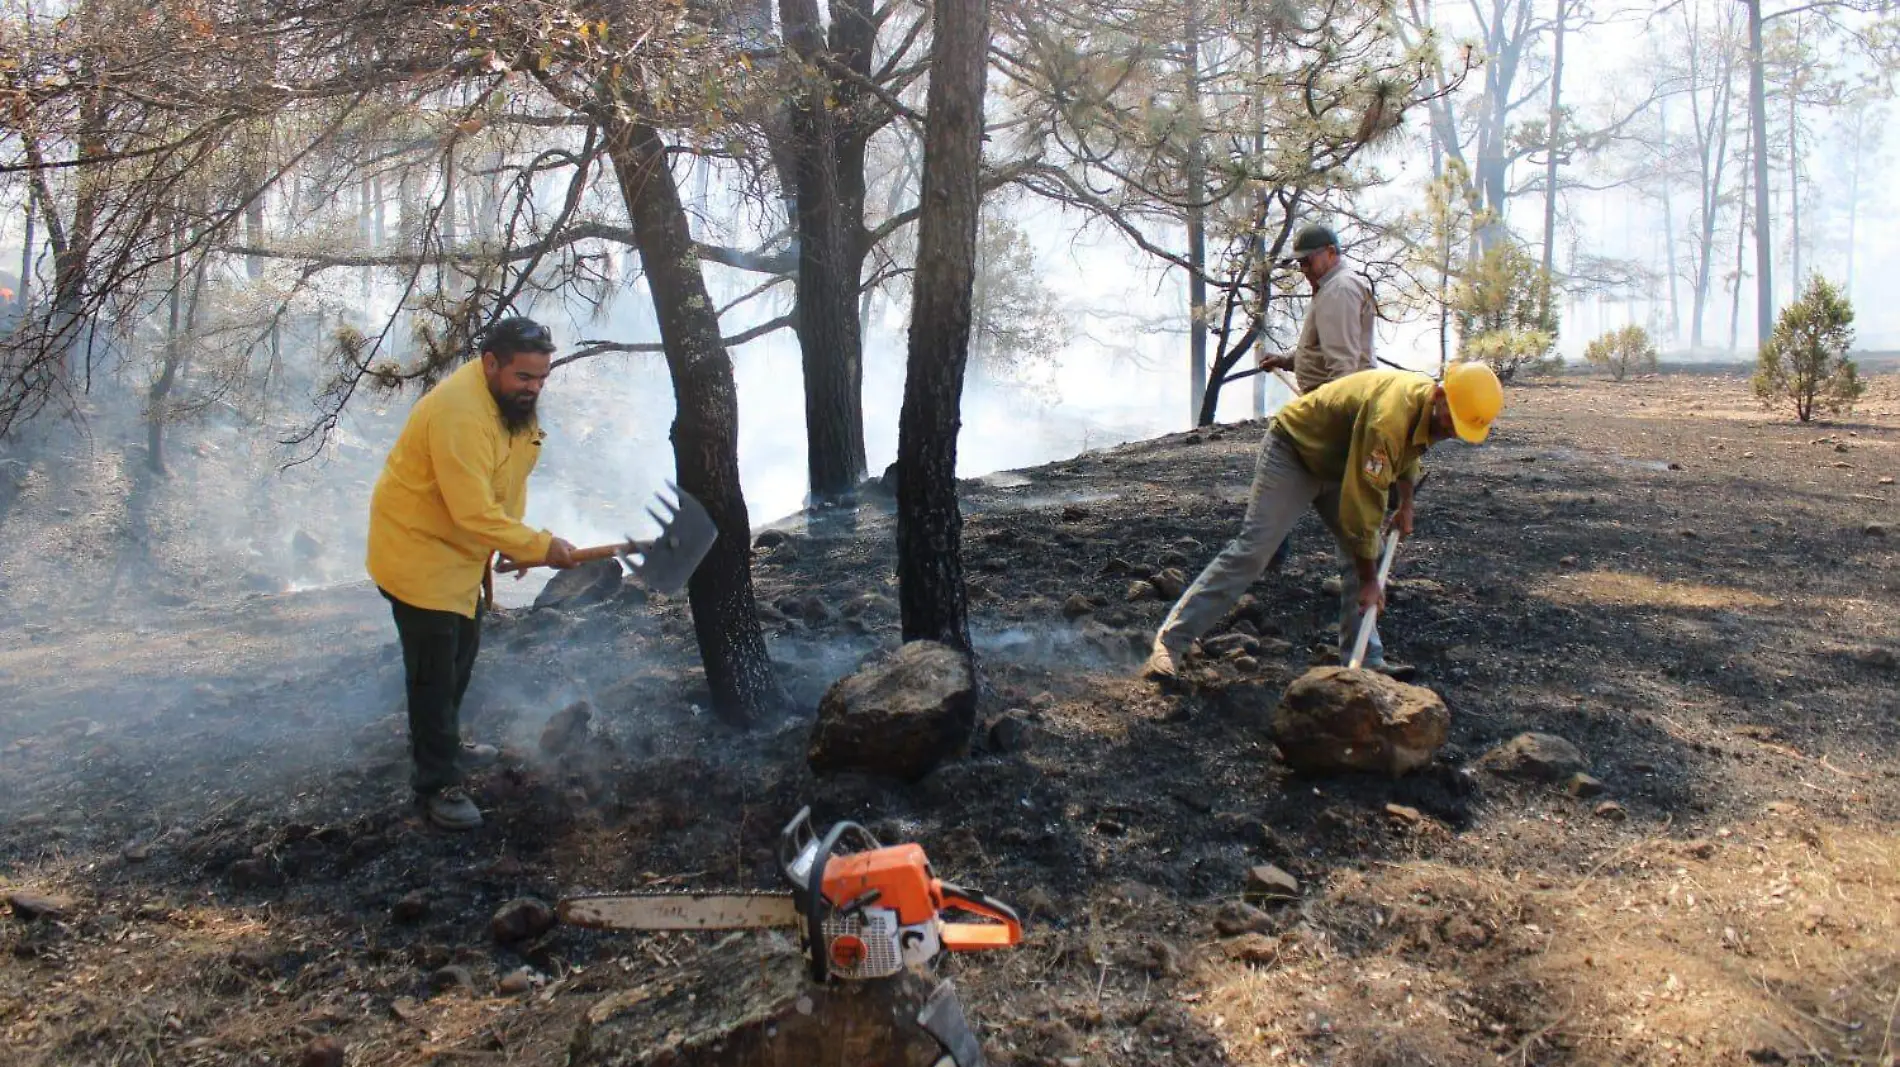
[1364, 431]
[453, 490]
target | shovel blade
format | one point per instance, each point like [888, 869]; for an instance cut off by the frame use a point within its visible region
[665, 563]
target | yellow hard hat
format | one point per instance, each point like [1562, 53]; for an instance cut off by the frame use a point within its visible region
[1475, 397]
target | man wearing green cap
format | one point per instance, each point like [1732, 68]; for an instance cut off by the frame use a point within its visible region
[1336, 338]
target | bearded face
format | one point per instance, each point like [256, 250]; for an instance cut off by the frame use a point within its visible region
[515, 382]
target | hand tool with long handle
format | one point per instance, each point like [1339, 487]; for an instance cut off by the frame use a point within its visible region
[1368, 620]
[665, 563]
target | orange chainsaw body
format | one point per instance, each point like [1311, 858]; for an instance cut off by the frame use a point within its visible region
[899, 878]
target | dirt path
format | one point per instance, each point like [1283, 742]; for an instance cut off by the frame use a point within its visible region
[1702, 599]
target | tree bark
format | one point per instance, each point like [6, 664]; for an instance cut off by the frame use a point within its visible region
[1758, 119]
[829, 331]
[929, 525]
[1794, 195]
[1196, 216]
[705, 429]
[1669, 235]
[1550, 149]
[1741, 243]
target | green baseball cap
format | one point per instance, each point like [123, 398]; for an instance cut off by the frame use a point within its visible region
[1309, 240]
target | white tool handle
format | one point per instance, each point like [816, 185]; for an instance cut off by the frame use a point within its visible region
[1370, 618]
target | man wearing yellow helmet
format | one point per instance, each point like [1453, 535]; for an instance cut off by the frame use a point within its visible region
[1339, 449]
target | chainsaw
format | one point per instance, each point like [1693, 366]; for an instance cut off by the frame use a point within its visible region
[868, 913]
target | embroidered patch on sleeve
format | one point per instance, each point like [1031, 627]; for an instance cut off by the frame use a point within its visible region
[1377, 463]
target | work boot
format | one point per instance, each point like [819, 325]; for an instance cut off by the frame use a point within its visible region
[474, 757]
[1164, 663]
[451, 809]
[1398, 672]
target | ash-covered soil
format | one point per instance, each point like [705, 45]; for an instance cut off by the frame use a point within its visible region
[1704, 599]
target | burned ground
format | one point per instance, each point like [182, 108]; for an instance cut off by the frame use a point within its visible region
[1699, 597]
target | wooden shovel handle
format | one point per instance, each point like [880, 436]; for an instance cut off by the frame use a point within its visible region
[580, 555]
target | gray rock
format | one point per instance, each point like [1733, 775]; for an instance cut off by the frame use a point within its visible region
[1338, 719]
[899, 717]
[1535, 757]
[1077, 606]
[1582, 785]
[589, 583]
[31, 906]
[1169, 583]
[1142, 590]
[1011, 733]
[517, 982]
[412, 908]
[451, 978]
[1236, 918]
[1229, 644]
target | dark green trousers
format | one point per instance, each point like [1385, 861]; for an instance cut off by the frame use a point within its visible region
[438, 656]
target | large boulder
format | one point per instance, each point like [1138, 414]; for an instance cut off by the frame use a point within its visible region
[1342, 719]
[1535, 757]
[899, 717]
[589, 583]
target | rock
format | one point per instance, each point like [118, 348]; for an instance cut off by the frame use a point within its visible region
[1534, 757]
[253, 874]
[1888, 480]
[1611, 810]
[31, 906]
[322, 1052]
[1011, 733]
[1267, 883]
[1840, 446]
[1169, 583]
[1338, 719]
[1583, 786]
[521, 919]
[306, 546]
[1257, 949]
[1246, 664]
[451, 978]
[1567, 561]
[136, 851]
[1675, 466]
[517, 982]
[867, 604]
[1402, 815]
[412, 908]
[589, 583]
[1333, 585]
[1142, 590]
[1230, 644]
[1874, 529]
[567, 729]
[815, 611]
[899, 717]
[771, 539]
[1077, 606]
[1237, 917]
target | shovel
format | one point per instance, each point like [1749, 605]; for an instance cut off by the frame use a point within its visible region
[665, 563]
[1371, 618]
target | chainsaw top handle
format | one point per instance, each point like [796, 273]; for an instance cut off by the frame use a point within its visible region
[1006, 931]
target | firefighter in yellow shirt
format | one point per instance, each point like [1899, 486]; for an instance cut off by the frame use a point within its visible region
[1339, 449]
[451, 495]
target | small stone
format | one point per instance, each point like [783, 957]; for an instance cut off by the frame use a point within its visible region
[566, 729]
[1582, 785]
[1109, 827]
[322, 1052]
[1611, 810]
[412, 908]
[1403, 815]
[816, 612]
[1267, 882]
[1237, 917]
[521, 919]
[1874, 529]
[450, 978]
[1840, 446]
[1748, 455]
[1170, 582]
[1077, 606]
[406, 1009]
[517, 982]
[1011, 733]
[1074, 513]
[1688, 535]
[1142, 590]
[137, 851]
[1535, 757]
[1257, 949]
[253, 874]
[1675, 466]
[771, 539]
[1466, 935]
[1567, 561]
[1034, 901]
[1246, 664]
[1333, 585]
[1888, 480]
[1701, 850]
[31, 906]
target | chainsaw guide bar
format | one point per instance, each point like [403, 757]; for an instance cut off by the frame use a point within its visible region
[681, 911]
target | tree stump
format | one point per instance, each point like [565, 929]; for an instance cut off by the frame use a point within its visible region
[751, 1003]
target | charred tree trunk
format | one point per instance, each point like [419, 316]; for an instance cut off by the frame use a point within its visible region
[829, 333]
[1196, 215]
[705, 429]
[1550, 149]
[929, 524]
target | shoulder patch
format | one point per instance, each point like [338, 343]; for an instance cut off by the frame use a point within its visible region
[1377, 463]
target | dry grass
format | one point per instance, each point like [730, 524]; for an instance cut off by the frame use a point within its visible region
[1776, 938]
[1623, 589]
